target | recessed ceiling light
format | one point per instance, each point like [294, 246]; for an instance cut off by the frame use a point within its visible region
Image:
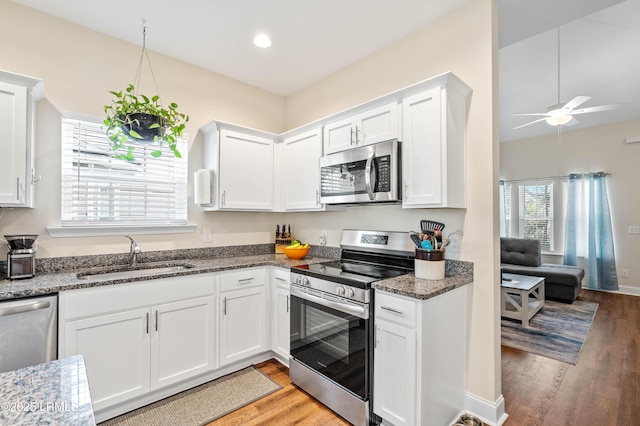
[262, 41]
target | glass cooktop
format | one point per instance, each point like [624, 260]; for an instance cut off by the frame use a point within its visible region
[351, 273]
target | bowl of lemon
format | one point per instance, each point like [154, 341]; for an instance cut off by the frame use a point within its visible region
[296, 250]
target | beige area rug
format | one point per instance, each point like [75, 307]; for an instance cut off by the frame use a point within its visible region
[202, 404]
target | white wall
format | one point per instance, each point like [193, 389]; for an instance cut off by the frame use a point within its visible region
[79, 67]
[590, 150]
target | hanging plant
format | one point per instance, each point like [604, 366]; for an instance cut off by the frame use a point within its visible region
[135, 118]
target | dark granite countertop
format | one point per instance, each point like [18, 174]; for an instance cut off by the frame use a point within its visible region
[49, 283]
[54, 393]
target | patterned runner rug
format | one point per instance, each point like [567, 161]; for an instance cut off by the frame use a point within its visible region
[558, 331]
[202, 404]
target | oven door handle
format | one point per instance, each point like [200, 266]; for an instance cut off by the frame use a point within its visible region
[367, 174]
[347, 308]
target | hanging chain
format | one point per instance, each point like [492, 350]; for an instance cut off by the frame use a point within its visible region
[144, 54]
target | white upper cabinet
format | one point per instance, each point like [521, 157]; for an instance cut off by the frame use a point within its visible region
[242, 165]
[18, 95]
[371, 126]
[433, 150]
[299, 181]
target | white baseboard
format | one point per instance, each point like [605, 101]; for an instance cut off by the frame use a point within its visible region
[632, 291]
[491, 413]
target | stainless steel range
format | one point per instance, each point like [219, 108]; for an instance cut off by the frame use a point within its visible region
[332, 320]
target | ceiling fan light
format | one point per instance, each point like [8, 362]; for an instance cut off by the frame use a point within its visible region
[558, 119]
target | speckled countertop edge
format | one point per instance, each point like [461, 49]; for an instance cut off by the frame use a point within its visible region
[50, 283]
[54, 393]
[418, 288]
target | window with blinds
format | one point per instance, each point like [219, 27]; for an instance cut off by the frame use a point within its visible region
[536, 213]
[99, 190]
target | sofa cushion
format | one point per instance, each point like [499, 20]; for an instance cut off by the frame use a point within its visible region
[520, 251]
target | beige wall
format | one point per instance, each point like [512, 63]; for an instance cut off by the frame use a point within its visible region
[590, 150]
[80, 66]
[464, 43]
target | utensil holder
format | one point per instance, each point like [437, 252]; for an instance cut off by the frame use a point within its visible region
[429, 264]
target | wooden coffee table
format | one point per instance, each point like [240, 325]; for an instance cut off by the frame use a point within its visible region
[522, 297]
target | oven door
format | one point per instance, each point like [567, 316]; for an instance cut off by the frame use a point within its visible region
[365, 174]
[332, 336]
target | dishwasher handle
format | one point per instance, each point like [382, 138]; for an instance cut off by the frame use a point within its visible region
[25, 307]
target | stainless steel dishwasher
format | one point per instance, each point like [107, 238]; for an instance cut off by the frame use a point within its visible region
[28, 332]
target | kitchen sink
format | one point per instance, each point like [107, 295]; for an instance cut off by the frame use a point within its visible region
[133, 272]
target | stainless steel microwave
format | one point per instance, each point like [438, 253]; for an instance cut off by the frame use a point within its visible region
[367, 174]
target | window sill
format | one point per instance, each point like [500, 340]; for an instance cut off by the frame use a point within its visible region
[98, 231]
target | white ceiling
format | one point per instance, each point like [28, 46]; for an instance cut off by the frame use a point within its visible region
[311, 40]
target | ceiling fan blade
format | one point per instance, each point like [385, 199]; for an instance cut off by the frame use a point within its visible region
[596, 109]
[533, 114]
[572, 122]
[575, 102]
[529, 123]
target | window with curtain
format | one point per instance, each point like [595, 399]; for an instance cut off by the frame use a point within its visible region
[99, 190]
[536, 213]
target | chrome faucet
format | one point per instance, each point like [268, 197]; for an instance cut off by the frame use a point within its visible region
[134, 252]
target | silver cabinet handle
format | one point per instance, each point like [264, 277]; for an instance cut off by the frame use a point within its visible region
[156, 320]
[26, 307]
[223, 197]
[357, 139]
[397, 311]
[281, 279]
[288, 298]
[351, 138]
[147, 321]
[375, 337]
[224, 306]
[317, 197]
[18, 189]
[245, 280]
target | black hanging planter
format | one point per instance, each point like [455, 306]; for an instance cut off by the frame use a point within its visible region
[140, 124]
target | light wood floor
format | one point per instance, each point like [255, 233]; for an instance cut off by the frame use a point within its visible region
[288, 406]
[602, 389]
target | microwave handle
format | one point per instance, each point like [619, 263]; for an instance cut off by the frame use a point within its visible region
[367, 174]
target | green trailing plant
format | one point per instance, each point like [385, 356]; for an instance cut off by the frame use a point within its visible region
[135, 118]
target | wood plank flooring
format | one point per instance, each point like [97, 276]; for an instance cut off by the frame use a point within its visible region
[602, 389]
[288, 406]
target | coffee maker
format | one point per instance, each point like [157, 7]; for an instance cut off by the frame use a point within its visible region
[21, 258]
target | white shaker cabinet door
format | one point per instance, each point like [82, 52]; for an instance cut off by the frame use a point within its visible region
[246, 171]
[182, 342]
[242, 324]
[13, 143]
[299, 171]
[395, 373]
[116, 351]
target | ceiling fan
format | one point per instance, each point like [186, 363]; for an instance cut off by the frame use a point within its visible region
[562, 114]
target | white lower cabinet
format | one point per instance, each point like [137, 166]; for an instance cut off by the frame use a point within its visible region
[139, 337]
[243, 319]
[420, 358]
[281, 305]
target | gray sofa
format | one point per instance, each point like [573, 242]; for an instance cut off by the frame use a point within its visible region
[523, 256]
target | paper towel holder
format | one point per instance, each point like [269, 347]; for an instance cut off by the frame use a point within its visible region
[203, 187]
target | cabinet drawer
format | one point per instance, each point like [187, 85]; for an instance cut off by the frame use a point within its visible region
[281, 277]
[243, 278]
[396, 309]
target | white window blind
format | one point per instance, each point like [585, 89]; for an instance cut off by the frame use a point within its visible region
[536, 213]
[99, 190]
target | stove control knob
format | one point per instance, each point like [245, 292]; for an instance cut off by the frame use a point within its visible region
[305, 281]
[298, 280]
[340, 291]
[350, 292]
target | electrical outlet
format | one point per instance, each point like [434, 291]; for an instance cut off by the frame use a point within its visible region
[624, 273]
[207, 235]
[323, 239]
[453, 247]
[634, 229]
